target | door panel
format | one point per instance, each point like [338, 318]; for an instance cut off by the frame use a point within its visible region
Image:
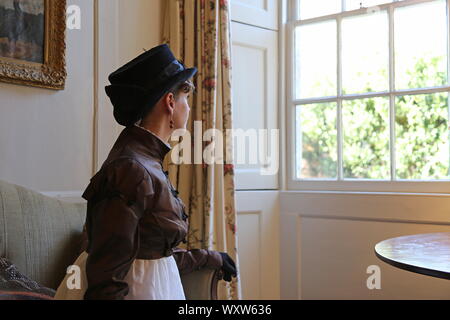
[258, 244]
[328, 241]
[261, 13]
[255, 94]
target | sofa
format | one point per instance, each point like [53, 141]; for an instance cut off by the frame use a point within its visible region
[41, 236]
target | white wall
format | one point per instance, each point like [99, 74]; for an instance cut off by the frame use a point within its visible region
[125, 29]
[140, 26]
[46, 136]
[328, 242]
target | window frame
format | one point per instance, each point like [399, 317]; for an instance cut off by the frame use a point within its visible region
[341, 184]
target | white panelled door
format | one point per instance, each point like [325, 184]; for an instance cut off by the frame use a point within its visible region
[258, 244]
[255, 107]
[255, 96]
[261, 13]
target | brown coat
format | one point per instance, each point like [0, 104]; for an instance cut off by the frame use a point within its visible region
[134, 212]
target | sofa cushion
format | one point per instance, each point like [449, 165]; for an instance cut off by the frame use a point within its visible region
[39, 234]
[20, 295]
[16, 286]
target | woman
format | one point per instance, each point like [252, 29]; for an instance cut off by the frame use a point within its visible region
[135, 218]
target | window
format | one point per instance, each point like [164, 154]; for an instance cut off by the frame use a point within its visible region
[369, 95]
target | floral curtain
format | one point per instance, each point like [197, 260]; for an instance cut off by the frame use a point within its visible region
[198, 32]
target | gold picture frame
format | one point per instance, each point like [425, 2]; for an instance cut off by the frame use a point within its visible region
[38, 61]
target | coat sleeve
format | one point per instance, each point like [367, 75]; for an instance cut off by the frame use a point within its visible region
[112, 228]
[196, 259]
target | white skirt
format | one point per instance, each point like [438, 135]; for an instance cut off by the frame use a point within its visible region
[157, 279]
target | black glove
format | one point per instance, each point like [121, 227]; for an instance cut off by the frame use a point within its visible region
[228, 267]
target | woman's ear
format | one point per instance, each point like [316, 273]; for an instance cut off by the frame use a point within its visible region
[169, 99]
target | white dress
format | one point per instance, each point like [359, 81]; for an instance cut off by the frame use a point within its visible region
[157, 279]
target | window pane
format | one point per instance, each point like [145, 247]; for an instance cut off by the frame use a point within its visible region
[365, 53]
[313, 8]
[316, 60]
[422, 147]
[366, 138]
[421, 45]
[357, 4]
[316, 140]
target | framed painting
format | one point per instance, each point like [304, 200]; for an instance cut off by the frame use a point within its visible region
[32, 42]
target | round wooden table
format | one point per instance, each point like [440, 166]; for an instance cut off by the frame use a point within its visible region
[427, 254]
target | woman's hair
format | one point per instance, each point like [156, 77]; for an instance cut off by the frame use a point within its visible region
[183, 87]
[186, 86]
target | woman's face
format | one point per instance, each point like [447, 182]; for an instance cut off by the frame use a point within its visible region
[181, 111]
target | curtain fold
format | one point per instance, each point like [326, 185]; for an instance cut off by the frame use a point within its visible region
[198, 33]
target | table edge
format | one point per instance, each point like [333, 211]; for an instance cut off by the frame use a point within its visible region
[413, 268]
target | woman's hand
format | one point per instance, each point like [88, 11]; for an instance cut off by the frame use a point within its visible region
[228, 267]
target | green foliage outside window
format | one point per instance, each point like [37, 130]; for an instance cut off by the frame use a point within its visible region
[421, 133]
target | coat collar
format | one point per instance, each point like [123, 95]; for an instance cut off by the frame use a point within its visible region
[153, 145]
